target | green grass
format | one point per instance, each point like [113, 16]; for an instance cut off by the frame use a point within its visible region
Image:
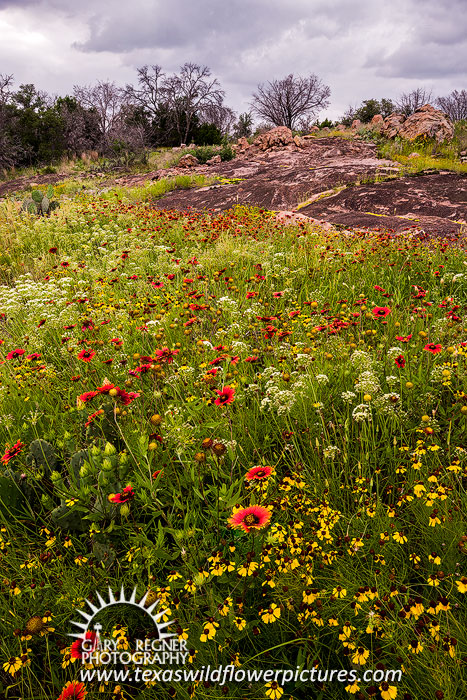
[360, 436]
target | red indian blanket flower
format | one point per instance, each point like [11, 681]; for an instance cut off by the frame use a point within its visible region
[258, 473]
[166, 355]
[15, 353]
[400, 361]
[381, 311]
[124, 396]
[251, 518]
[225, 396]
[86, 355]
[11, 452]
[86, 644]
[73, 690]
[433, 348]
[126, 495]
[403, 339]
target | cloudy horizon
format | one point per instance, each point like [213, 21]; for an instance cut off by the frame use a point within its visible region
[361, 50]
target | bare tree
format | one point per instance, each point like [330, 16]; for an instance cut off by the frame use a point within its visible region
[408, 102]
[10, 147]
[6, 81]
[454, 105]
[80, 126]
[221, 116]
[150, 93]
[106, 99]
[190, 92]
[284, 102]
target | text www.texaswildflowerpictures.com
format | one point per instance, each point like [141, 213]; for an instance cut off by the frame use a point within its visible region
[229, 674]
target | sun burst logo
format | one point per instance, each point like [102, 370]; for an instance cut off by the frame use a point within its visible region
[151, 610]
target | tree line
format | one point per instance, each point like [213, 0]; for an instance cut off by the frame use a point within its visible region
[169, 110]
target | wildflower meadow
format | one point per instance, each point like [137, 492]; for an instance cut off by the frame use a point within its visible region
[261, 426]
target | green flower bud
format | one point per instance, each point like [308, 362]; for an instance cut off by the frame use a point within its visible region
[109, 449]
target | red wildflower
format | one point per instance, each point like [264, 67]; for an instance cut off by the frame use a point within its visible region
[258, 473]
[86, 355]
[225, 396]
[403, 339]
[157, 473]
[217, 360]
[11, 452]
[73, 690]
[142, 369]
[15, 353]
[126, 495]
[166, 355]
[33, 356]
[400, 361]
[252, 358]
[381, 311]
[117, 342]
[433, 348]
[253, 517]
[87, 644]
[87, 396]
[126, 397]
[92, 416]
[53, 250]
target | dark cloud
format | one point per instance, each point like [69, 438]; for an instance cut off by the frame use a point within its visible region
[200, 24]
[434, 43]
[361, 49]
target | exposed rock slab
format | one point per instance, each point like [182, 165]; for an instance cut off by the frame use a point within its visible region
[317, 181]
[435, 203]
[281, 179]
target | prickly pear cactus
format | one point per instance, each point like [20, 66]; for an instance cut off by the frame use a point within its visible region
[104, 553]
[68, 519]
[11, 496]
[77, 462]
[42, 456]
[39, 203]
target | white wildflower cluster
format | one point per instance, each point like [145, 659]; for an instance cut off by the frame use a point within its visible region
[318, 296]
[387, 403]
[331, 452]
[391, 379]
[30, 296]
[251, 389]
[239, 346]
[393, 353]
[322, 379]
[303, 359]
[362, 413]
[276, 398]
[348, 396]
[368, 383]
[361, 360]
[228, 304]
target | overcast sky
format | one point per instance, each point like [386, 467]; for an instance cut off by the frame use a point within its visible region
[360, 48]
